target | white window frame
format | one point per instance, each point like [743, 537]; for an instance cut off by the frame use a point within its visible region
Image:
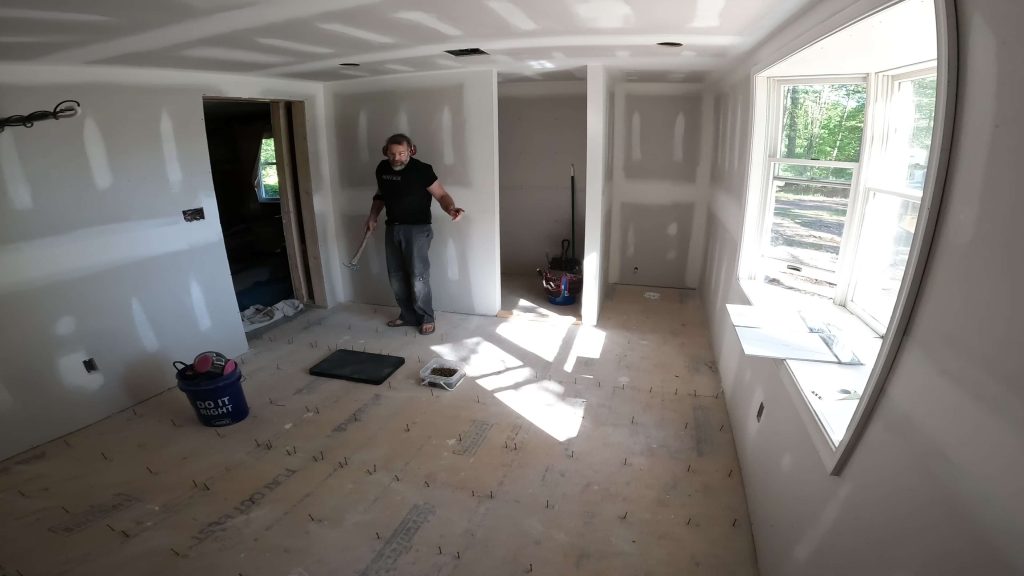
[260, 192]
[880, 129]
[880, 88]
[835, 456]
[773, 139]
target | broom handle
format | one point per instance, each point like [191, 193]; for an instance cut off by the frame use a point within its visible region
[572, 212]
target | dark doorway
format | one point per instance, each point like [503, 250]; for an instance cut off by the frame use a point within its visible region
[244, 163]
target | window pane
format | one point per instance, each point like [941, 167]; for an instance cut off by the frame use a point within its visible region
[269, 187]
[267, 154]
[889, 224]
[823, 121]
[807, 224]
[911, 117]
[268, 175]
[820, 173]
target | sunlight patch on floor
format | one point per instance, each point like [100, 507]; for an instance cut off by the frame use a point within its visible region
[544, 339]
[589, 343]
[480, 356]
[506, 379]
[543, 404]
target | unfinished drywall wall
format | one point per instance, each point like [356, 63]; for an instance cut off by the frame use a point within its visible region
[97, 259]
[595, 253]
[659, 204]
[933, 487]
[452, 118]
[542, 129]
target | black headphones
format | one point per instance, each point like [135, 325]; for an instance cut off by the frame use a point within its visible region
[401, 139]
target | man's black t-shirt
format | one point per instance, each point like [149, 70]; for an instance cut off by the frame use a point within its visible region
[404, 191]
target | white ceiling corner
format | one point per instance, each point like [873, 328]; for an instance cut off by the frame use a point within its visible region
[540, 39]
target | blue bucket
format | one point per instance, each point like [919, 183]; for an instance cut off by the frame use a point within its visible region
[563, 298]
[218, 401]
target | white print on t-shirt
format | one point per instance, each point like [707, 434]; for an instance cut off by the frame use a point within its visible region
[395, 177]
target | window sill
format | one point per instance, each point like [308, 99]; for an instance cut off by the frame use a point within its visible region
[821, 390]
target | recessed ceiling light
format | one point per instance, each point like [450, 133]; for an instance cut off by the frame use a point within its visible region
[670, 44]
[348, 64]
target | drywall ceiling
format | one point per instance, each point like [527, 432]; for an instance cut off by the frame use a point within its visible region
[308, 39]
[898, 36]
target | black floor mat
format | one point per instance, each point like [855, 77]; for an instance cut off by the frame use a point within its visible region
[362, 367]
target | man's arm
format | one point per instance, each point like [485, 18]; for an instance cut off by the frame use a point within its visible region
[445, 200]
[375, 210]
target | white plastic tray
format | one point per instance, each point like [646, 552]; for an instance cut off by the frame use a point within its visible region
[448, 383]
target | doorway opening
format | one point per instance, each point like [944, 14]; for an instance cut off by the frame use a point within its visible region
[542, 127]
[260, 166]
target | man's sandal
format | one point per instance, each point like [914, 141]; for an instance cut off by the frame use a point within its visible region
[396, 323]
[427, 328]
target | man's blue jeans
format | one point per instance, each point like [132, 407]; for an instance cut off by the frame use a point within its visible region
[409, 270]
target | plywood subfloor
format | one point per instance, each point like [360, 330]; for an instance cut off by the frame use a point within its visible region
[568, 450]
[523, 296]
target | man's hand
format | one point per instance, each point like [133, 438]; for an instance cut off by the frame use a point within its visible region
[456, 213]
[371, 223]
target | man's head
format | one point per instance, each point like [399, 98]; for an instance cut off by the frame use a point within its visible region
[399, 149]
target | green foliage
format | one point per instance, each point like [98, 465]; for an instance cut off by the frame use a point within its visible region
[267, 154]
[823, 121]
[924, 112]
[268, 169]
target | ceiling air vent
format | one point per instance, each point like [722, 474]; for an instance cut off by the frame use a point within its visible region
[462, 52]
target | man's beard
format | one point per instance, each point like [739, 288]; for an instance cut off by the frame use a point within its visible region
[398, 166]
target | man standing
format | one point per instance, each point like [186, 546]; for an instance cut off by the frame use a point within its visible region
[405, 187]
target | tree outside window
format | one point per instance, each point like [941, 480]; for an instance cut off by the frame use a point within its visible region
[268, 187]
